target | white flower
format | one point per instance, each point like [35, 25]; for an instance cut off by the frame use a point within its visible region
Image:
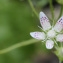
[50, 32]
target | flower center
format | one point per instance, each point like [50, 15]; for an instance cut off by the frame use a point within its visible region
[51, 34]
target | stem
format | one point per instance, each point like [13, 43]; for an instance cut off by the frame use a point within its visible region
[52, 10]
[21, 44]
[55, 42]
[61, 11]
[61, 44]
[32, 7]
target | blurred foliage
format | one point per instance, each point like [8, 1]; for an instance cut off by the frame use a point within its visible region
[60, 1]
[40, 3]
[16, 22]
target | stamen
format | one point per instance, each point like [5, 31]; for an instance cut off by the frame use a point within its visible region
[41, 29]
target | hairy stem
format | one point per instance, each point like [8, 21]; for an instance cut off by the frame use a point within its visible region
[32, 7]
[61, 11]
[21, 44]
[52, 10]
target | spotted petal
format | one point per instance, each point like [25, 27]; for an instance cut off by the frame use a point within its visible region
[59, 25]
[49, 44]
[44, 21]
[38, 35]
[59, 38]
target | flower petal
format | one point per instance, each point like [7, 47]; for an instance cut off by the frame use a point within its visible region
[59, 25]
[38, 35]
[44, 21]
[49, 44]
[59, 38]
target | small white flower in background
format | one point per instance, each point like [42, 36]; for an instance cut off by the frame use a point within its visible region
[50, 32]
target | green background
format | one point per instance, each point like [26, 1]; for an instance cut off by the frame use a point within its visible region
[17, 20]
